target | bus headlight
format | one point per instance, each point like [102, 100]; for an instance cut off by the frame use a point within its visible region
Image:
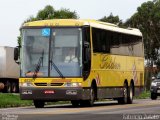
[153, 84]
[74, 84]
[27, 84]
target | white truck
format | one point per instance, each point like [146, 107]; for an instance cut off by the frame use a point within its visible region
[9, 71]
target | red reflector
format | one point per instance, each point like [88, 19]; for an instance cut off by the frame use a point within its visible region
[49, 92]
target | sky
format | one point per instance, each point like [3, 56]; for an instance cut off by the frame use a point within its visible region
[14, 12]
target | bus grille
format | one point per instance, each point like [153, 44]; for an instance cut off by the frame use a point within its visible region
[48, 84]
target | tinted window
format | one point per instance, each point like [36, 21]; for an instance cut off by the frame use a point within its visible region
[101, 40]
[116, 43]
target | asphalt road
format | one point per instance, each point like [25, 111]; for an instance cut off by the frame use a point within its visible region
[140, 109]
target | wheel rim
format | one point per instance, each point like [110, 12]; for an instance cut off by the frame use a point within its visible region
[131, 93]
[14, 88]
[125, 94]
[8, 87]
[92, 97]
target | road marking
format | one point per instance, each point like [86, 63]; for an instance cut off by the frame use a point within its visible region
[83, 110]
[64, 110]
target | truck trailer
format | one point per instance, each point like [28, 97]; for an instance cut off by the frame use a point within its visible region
[9, 71]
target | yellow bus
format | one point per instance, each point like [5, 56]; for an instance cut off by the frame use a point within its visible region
[80, 61]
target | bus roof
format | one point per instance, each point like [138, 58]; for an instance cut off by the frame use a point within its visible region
[78, 22]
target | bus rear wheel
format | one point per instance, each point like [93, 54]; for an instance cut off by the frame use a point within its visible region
[130, 94]
[8, 87]
[124, 99]
[38, 104]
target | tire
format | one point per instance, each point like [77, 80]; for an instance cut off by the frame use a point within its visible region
[75, 103]
[38, 104]
[130, 94]
[124, 99]
[14, 88]
[90, 102]
[153, 96]
[7, 88]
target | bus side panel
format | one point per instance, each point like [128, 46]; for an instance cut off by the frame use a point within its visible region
[110, 72]
[135, 68]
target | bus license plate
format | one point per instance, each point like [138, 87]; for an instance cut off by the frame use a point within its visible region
[71, 92]
[49, 92]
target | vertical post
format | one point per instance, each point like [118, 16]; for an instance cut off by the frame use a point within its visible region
[50, 38]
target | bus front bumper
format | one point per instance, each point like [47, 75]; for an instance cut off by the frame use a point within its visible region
[54, 94]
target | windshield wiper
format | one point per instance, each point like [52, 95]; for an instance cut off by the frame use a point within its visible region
[38, 66]
[57, 69]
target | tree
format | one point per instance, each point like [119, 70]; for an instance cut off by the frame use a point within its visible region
[65, 14]
[46, 13]
[112, 19]
[147, 19]
[50, 13]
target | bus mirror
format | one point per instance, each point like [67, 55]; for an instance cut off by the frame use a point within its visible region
[86, 44]
[87, 51]
[86, 54]
[16, 54]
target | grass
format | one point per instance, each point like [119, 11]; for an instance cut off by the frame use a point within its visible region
[12, 100]
[144, 95]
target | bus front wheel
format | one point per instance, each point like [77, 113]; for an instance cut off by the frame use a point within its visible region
[92, 97]
[38, 104]
[75, 103]
[90, 102]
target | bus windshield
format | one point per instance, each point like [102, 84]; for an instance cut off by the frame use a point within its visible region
[64, 46]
